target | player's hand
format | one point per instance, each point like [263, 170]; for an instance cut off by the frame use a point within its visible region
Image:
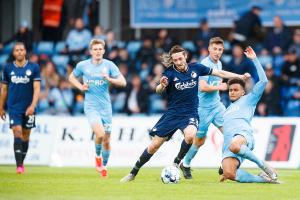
[29, 111]
[84, 87]
[249, 52]
[2, 114]
[223, 87]
[164, 81]
[246, 76]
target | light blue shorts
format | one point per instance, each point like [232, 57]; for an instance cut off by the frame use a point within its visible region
[210, 115]
[226, 153]
[95, 116]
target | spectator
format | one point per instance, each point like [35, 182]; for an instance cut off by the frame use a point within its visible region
[239, 64]
[110, 42]
[163, 40]
[99, 33]
[50, 78]
[136, 97]
[146, 53]
[78, 38]
[270, 102]
[54, 14]
[296, 42]
[248, 28]
[203, 35]
[62, 98]
[291, 69]
[279, 37]
[24, 35]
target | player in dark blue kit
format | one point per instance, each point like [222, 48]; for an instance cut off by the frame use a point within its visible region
[19, 94]
[180, 83]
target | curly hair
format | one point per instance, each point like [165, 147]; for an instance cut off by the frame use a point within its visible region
[167, 57]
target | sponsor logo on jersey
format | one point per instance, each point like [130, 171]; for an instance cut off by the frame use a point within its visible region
[185, 85]
[20, 79]
[193, 74]
[95, 82]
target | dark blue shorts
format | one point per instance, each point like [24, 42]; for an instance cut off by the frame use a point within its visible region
[168, 124]
[16, 119]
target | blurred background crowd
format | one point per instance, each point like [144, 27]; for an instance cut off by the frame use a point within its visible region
[62, 42]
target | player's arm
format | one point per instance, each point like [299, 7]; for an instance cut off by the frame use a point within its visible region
[229, 75]
[163, 83]
[73, 80]
[205, 87]
[3, 98]
[35, 98]
[259, 87]
[120, 81]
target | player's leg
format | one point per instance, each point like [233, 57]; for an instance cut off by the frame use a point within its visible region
[28, 123]
[105, 152]
[15, 123]
[240, 145]
[18, 148]
[232, 172]
[185, 164]
[25, 143]
[189, 134]
[145, 157]
[99, 132]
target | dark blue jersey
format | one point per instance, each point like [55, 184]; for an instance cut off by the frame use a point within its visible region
[20, 85]
[182, 89]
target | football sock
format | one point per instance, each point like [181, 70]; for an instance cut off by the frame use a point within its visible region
[105, 156]
[18, 151]
[190, 155]
[98, 148]
[183, 150]
[25, 145]
[245, 152]
[243, 176]
[145, 157]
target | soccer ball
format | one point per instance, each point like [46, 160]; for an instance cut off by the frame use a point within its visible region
[170, 174]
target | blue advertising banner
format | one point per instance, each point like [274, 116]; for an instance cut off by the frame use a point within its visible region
[220, 13]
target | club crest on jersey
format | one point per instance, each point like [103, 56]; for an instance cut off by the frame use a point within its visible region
[28, 72]
[193, 74]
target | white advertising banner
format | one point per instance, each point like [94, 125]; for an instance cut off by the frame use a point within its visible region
[40, 146]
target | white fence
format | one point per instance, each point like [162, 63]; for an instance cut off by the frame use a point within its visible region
[68, 141]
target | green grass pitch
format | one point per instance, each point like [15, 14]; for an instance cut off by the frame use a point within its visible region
[48, 183]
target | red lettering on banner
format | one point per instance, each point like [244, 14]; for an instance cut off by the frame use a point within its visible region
[282, 149]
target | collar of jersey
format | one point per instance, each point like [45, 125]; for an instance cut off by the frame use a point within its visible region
[20, 66]
[187, 69]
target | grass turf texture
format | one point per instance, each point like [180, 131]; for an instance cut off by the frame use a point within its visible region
[45, 183]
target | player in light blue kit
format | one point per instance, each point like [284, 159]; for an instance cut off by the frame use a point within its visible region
[238, 133]
[98, 73]
[210, 108]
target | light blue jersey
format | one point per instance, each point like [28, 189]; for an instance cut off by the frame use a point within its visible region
[97, 104]
[238, 116]
[210, 99]
[210, 109]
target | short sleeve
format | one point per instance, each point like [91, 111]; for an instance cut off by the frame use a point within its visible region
[78, 70]
[167, 73]
[37, 74]
[114, 70]
[5, 78]
[202, 69]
